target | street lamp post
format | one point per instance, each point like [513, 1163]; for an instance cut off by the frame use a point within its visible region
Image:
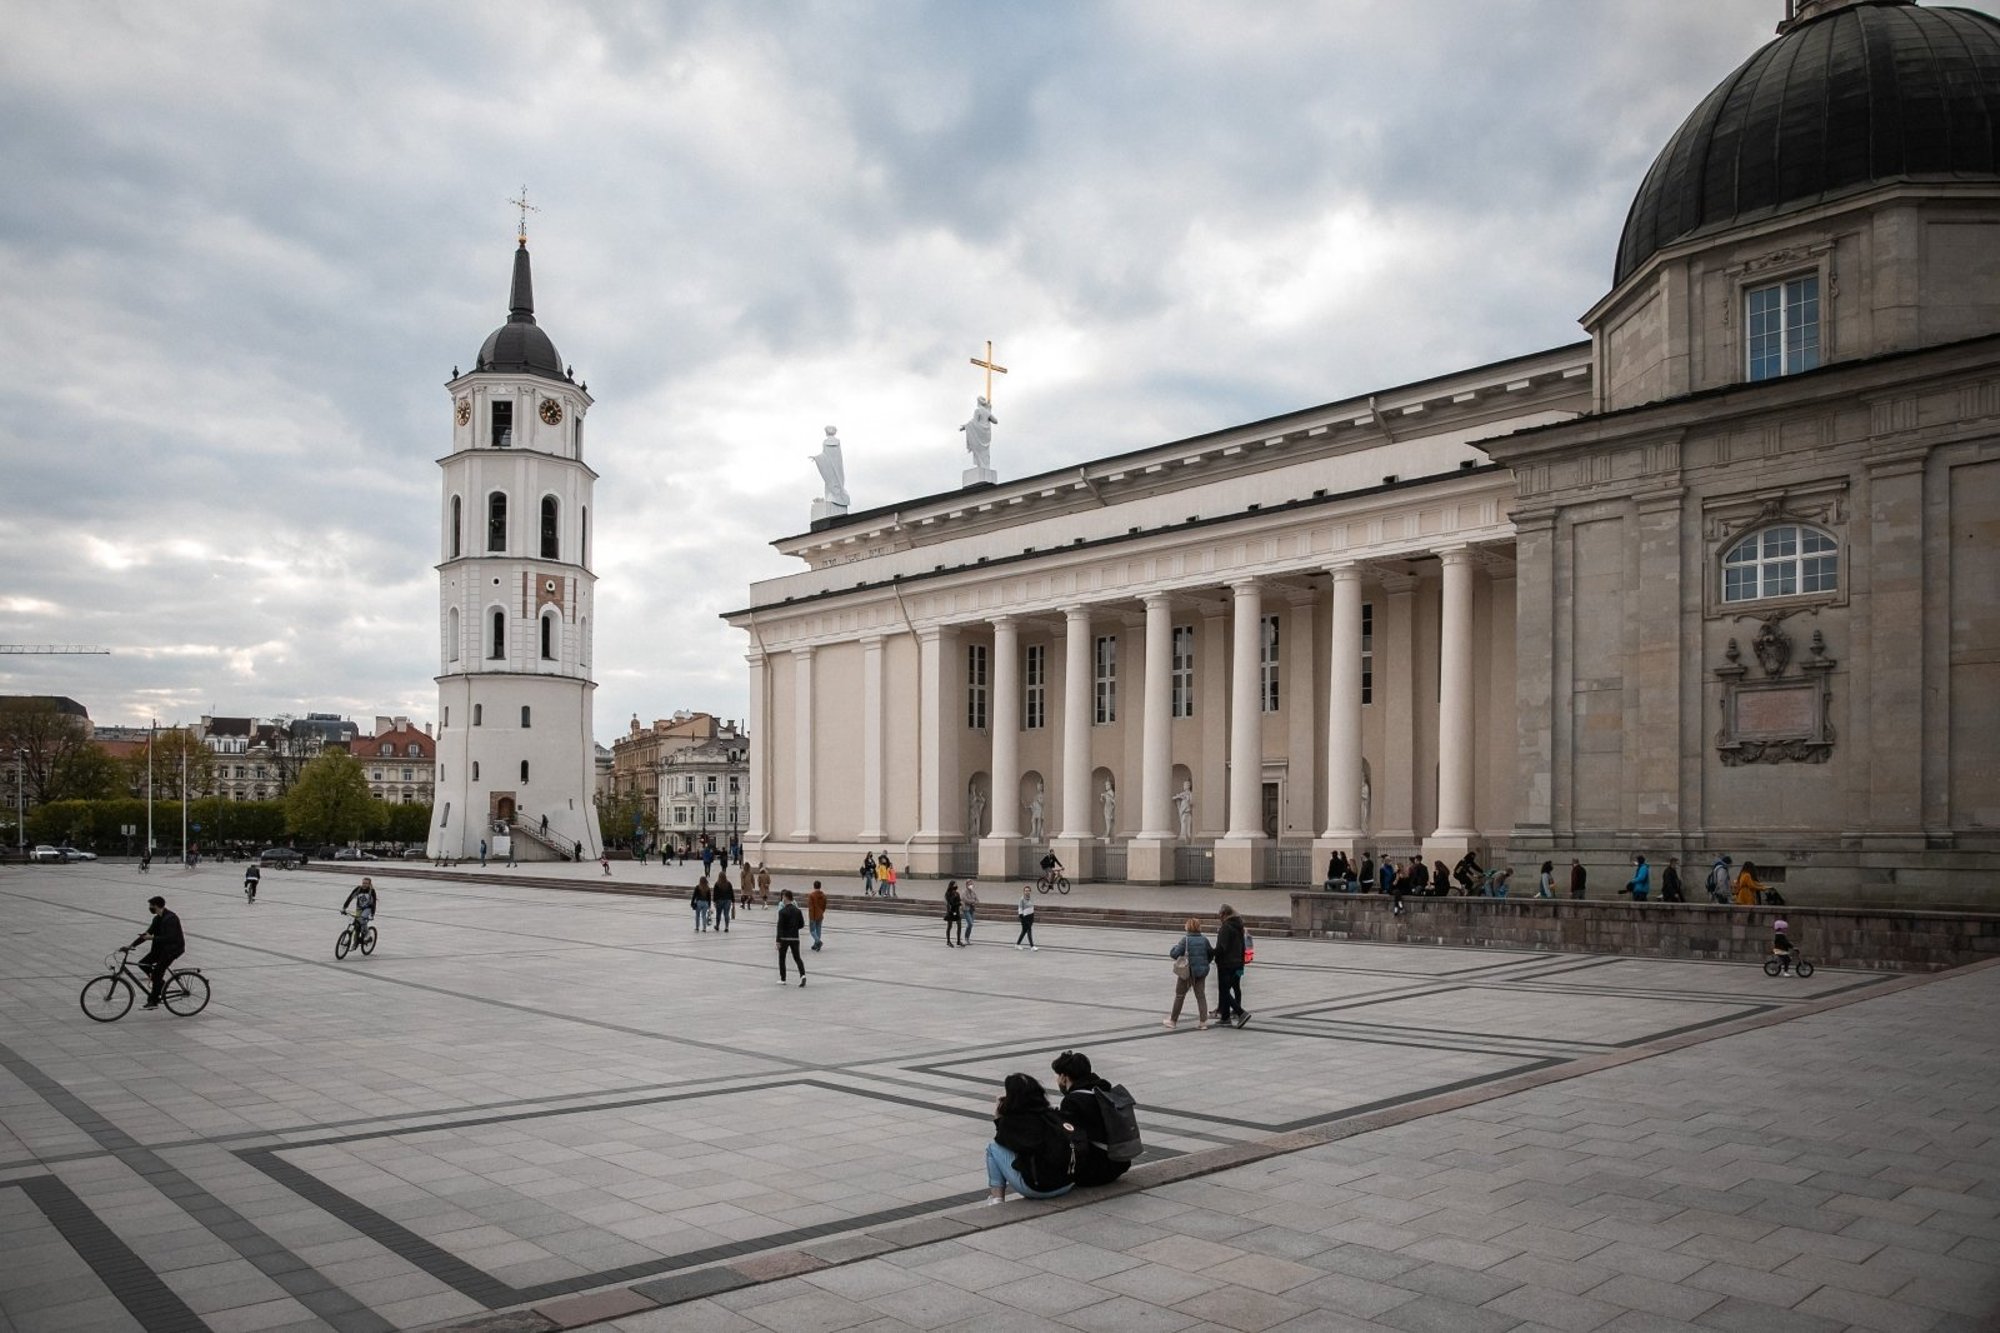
[21, 802]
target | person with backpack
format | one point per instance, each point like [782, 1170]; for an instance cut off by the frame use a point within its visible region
[1034, 1147]
[1231, 943]
[868, 875]
[1106, 1114]
[1192, 955]
[1720, 880]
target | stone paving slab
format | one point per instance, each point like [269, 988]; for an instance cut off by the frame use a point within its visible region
[532, 1108]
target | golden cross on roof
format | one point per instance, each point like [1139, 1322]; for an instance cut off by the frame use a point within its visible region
[526, 208]
[988, 365]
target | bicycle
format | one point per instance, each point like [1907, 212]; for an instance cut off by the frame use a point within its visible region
[249, 890]
[1774, 966]
[354, 934]
[1054, 879]
[108, 998]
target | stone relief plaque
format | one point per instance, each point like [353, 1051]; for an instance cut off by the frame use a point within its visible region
[1782, 718]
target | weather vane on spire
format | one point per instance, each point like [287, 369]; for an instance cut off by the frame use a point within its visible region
[526, 208]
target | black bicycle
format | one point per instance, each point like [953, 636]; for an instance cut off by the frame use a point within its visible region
[356, 934]
[109, 998]
[1054, 879]
[1774, 966]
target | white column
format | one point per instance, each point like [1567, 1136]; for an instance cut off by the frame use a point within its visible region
[930, 732]
[871, 740]
[802, 743]
[1246, 723]
[1156, 760]
[1005, 799]
[1077, 680]
[760, 823]
[1343, 707]
[1455, 697]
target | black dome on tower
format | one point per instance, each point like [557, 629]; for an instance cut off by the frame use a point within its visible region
[1854, 94]
[519, 346]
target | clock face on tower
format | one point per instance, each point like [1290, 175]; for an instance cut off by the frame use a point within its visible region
[551, 411]
[464, 410]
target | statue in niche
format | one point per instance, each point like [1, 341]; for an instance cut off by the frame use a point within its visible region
[1035, 813]
[1184, 810]
[979, 434]
[1108, 798]
[975, 809]
[1367, 801]
[832, 472]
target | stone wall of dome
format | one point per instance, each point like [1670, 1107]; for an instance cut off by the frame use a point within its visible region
[1858, 156]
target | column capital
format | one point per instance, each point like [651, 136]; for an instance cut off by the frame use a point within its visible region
[805, 650]
[1345, 571]
[1007, 620]
[756, 657]
[1160, 599]
[1243, 587]
[936, 633]
[871, 640]
[1075, 610]
[1454, 555]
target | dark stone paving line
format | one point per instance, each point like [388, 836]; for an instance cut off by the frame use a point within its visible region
[305, 1283]
[137, 1287]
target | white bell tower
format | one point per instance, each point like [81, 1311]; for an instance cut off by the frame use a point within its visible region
[516, 757]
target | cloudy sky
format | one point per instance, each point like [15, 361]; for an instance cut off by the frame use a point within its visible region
[243, 246]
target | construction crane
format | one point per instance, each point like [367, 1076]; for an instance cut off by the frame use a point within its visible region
[51, 650]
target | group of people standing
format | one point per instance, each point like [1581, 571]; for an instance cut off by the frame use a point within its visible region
[1196, 956]
[878, 876]
[1468, 877]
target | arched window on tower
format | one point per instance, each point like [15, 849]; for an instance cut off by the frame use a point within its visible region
[549, 637]
[451, 635]
[496, 521]
[457, 526]
[524, 770]
[496, 647]
[583, 534]
[551, 538]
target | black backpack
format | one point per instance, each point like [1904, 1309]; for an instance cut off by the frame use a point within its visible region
[1053, 1165]
[1121, 1123]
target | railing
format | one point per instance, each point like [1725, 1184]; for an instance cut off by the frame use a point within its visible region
[1194, 864]
[1028, 861]
[963, 861]
[566, 848]
[1285, 867]
[1110, 863]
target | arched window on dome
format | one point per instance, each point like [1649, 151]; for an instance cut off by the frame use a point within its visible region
[451, 635]
[551, 528]
[1786, 560]
[457, 526]
[496, 521]
[496, 646]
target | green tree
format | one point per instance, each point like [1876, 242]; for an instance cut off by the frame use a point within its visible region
[405, 823]
[92, 775]
[170, 745]
[329, 801]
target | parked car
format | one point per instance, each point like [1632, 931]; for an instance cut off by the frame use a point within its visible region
[353, 854]
[49, 855]
[284, 858]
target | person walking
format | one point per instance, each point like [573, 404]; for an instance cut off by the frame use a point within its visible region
[1748, 890]
[1192, 955]
[145, 863]
[1231, 946]
[1670, 882]
[725, 900]
[790, 921]
[168, 943]
[954, 908]
[968, 898]
[702, 900]
[1640, 886]
[1720, 879]
[604, 860]
[816, 913]
[1545, 882]
[1578, 877]
[482, 851]
[763, 885]
[1025, 911]
[707, 857]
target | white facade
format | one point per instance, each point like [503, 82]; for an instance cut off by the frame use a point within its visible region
[516, 595]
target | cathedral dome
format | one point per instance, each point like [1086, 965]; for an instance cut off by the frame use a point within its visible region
[1853, 94]
[519, 346]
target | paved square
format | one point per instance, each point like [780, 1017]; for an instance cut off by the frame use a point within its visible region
[529, 1093]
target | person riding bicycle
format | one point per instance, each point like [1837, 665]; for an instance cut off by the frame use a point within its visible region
[1052, 866]
[1781, 945]
[251, 874]
[364, 900]
[168, 944]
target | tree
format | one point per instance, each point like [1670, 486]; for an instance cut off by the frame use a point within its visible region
[405, 823]
[167, 749]
[329, 801]
[93, 775]
[45, 740]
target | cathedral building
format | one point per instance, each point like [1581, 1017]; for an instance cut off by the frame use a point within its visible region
[1724, 577]
[515, 754]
